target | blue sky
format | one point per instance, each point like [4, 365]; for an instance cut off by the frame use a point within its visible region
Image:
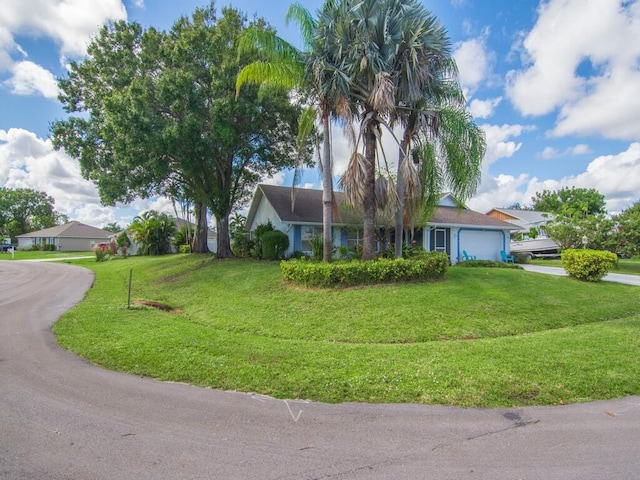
[555, 84]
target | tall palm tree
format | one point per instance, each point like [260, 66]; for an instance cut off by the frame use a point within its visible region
[393, 51]
[447, 146]
[305, 71]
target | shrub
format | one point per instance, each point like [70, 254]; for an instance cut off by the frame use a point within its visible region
[258, 233]
[101, 254]
[588, 265]
[521, 257]
[430, 266]
[185, 248]
[274, 245]
[486, 263]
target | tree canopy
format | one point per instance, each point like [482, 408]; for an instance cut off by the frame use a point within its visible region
[23, 210]
[572, 202]
[156, 113]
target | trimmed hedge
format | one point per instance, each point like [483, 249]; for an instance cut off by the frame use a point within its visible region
[588, 265]
[426, 267]
[274, 245]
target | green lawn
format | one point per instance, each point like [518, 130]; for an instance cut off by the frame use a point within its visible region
[29, 255]
[481, 337]
[629, 267]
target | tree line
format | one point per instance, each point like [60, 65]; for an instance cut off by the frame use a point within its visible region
[205, 110]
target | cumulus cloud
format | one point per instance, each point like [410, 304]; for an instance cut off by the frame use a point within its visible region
[583, 59]
[484, 108]
[475, 63]
[27, 161]
[29, 78]
[69, 23]
[615, 176]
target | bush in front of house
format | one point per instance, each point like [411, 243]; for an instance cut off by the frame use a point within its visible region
[429, 266]
[486, 263]
[274, 245]
[588, 265]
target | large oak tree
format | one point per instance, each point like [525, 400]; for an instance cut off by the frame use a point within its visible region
[156, 113]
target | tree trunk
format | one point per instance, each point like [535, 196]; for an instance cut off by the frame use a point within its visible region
[369, 220]
[327, 192]
[399, 218]
[199, 243]
[224, 244]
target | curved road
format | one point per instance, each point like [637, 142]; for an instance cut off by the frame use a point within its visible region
[63, 418]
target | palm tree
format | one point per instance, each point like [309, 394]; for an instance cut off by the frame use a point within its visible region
[153, 230]
[446, 144]
[393, 51]
[305, 71]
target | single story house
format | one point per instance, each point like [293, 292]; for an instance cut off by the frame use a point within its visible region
[450, 229]
[525, 220]
[70, 237]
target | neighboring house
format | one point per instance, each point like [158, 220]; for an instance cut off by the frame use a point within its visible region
[70, 237]
[212, 237]
[450, 229]
[525, 220]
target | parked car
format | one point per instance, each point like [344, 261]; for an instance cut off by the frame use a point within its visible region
[4, 247]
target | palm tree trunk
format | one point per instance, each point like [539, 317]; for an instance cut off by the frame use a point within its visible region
[327, 191]
[399, 218]
[369, 220]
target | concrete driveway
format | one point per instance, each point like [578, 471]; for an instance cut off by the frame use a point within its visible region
[611, 277]
[63, 418]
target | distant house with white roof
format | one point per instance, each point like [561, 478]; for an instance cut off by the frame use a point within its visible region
[70, 237]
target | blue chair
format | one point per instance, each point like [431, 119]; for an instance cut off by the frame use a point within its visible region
[506, 258]
[467, 256]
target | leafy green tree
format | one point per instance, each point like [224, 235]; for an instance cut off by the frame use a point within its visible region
[157, 113]
[153, 231]
[23, 210]
[571, 231]
[240, 243]
[113, 227]
[572, 202]
[627, 235]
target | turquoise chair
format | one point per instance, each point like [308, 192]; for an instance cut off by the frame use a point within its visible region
[467, 256]
[506, 258]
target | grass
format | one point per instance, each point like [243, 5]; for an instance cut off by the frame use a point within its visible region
[37, 255]
[482, 337]
[626, 266]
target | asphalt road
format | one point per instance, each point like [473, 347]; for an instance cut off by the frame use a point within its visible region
[63, 418]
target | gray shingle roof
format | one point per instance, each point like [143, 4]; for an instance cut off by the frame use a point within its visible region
[308, 209]
[69, 230]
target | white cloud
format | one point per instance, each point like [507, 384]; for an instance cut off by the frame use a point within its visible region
[474, 62]
[484, 108]
[29, 78]
[551, 152]
[584, 59]
[27, 161]
[614, 176]
[69, 23]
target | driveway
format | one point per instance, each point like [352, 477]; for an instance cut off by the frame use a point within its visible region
[63, 418]
[611, 277]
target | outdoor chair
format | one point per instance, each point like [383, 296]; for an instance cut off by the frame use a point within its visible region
[467, 256]
[506, 258]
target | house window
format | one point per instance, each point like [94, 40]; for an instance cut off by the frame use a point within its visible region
[307, 234]
[354, 237]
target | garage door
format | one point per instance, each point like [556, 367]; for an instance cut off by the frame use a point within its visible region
[485, 245]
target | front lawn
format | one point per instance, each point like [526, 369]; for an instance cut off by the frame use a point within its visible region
[482, 337]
